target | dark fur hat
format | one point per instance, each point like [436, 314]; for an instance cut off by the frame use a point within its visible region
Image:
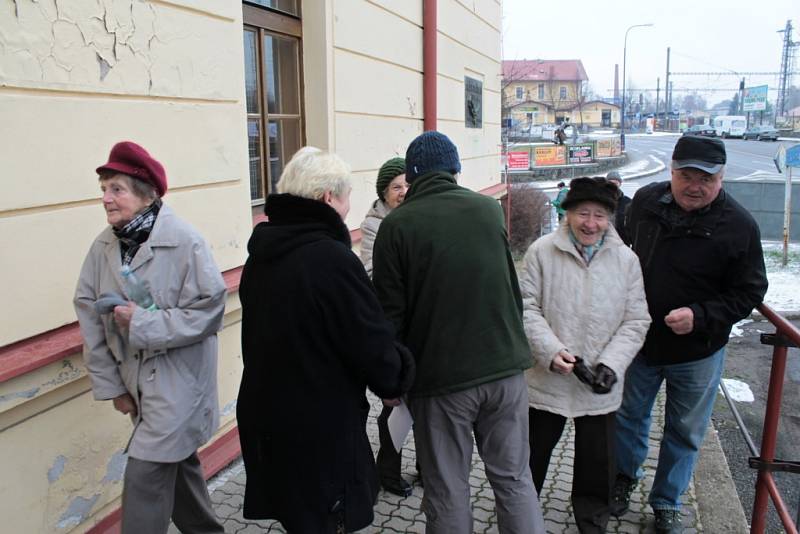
[587, 189]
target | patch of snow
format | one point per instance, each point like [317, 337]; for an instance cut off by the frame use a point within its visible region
[739, 391]
[783, 294]
[737, 331]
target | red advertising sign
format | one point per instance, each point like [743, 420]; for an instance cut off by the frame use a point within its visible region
[519, 160]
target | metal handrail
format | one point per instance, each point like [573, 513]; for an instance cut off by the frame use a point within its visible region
[765, 459]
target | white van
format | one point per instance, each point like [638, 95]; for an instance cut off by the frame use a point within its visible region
[730, 125]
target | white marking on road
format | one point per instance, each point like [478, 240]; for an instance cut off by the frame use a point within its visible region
[659, 152]
[738, 390]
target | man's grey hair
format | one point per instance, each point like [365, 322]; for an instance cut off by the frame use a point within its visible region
[139, 188]
[312, 172]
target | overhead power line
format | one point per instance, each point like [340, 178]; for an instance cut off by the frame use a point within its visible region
[726, 73]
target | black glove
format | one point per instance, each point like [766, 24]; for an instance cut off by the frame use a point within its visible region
[583, 372]
[604, 379]
[409, 370]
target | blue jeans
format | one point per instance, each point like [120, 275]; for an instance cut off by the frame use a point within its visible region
[691, 389]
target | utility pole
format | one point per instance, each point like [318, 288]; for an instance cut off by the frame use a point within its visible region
[669, 109]
[787, 57]
[741, 97]
[658, 86]
[667, 106]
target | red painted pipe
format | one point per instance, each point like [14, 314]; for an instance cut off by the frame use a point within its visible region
[429, 68]
[769, 440]
[780, 506]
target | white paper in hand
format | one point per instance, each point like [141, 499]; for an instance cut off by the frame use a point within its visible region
[399, 424]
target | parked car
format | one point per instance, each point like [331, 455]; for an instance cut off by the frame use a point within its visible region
[701, 129]
[761, 133]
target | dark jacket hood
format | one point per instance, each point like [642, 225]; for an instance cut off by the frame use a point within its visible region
[292, 223]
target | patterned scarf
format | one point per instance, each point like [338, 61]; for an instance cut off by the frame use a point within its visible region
[136, 232]
[587, 252]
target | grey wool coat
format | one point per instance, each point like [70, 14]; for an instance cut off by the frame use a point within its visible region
[369, 230]
[167, 359]
[597, 312]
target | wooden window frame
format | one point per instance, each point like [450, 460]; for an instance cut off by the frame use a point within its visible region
[265, 21]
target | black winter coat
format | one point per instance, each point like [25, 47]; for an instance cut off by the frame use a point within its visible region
[313, 337]
[709, 260]
[623, 201]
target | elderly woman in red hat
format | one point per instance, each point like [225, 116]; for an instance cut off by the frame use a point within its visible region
[150, 300]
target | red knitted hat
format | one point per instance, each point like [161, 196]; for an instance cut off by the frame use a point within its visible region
[129, 158]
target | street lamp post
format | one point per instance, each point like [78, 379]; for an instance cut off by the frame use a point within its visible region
[624, 58]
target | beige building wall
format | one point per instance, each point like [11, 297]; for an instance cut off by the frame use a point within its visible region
[552, 92]
[592, 114]
[363, 77]
[76, 77]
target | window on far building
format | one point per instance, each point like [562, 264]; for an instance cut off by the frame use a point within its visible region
[562, 93]
[272, 52]
[541, 91]
[520, 92]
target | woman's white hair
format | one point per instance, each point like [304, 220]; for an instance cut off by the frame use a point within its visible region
[312, 172]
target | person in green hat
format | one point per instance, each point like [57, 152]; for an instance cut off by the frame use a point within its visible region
[391, 188]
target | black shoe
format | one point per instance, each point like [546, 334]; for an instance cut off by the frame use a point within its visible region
[621, 494]
[668, 522]
[397, 486]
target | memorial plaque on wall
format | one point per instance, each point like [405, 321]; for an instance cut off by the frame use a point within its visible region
[473, 102]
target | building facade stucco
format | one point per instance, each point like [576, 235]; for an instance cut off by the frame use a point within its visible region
[76, 77]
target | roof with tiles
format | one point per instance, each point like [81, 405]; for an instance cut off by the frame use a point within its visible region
[544, 70]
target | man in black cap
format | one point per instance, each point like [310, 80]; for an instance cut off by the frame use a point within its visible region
[703, 270]
[444, 274]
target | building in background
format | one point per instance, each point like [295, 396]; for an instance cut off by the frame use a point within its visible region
[542, 90]
[222, 93]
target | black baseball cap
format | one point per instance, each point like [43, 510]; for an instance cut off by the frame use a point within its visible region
[704, 153]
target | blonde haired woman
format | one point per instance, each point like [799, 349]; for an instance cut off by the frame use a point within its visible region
[313, 338]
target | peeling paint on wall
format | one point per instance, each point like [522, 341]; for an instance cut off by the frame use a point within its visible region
[26, 394]
[58, 467]
[115, 467]
[228, 408]
[77, 511]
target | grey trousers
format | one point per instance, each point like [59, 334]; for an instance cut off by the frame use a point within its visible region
[154, 492]
[497, 413]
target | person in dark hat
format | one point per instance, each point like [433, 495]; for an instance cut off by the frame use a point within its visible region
[391, 187]
[581, 274]
[623, 201]
[154, 354]
[703, 269]
[444, 274]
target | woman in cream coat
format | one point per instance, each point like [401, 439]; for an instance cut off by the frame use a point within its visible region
[585, 314]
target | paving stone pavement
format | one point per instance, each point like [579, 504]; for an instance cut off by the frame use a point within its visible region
[394, 514]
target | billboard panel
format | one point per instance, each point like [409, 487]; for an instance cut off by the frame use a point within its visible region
[608, 147]
[755, 98]
[580, 153]
[519, 160]
[549, 155]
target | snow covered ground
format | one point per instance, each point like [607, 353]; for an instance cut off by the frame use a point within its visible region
[783, 294]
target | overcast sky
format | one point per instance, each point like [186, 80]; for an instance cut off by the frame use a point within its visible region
[704, 35]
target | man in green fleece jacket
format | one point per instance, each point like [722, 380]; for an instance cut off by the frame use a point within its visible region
[445, 277]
